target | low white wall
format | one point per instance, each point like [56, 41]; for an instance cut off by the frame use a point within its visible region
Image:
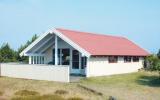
[38, 72]
[99, 66]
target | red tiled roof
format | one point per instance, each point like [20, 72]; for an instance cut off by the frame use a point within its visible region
[98, 44]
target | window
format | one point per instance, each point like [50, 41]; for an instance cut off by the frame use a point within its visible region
[113, 59]
[37, 59]
[75, 59]
[83, 62]
[127, 59]
[135, 59]
[65, 57]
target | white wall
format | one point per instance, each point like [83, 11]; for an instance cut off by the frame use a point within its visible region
[38, 72]
[99, 66]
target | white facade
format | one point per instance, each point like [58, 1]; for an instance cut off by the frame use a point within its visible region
[99, 66]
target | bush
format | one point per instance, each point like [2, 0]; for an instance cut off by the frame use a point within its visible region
[26, 93]
[75, 98]
[61, 92]
[152, 63]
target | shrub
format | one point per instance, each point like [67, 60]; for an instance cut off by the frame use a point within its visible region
[61, 92]
[26, 93]
[75, 98]
[152, 63]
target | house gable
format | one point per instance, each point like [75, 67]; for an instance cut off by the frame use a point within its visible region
[60, 35]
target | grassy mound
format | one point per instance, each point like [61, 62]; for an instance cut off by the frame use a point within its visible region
[26, 93]
[43, 97]
[74, 98]
[61, 92]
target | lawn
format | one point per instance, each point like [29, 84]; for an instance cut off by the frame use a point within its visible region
[135, 86]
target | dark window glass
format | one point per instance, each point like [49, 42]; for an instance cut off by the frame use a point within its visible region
[113, 59]
[65, 57]
[75, 59]
[135, 59]
[83, 62]
[127, 59]
[42, 60]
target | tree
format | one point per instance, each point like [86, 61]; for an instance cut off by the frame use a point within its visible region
[158, 54]
[7, 54]
[1, 59]
[22, 47]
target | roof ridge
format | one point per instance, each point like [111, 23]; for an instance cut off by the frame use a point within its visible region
[99, 34]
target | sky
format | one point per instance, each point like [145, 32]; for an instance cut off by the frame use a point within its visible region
[138, 20]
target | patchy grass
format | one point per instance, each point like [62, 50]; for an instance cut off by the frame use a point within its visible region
[138, 86]
[43, 97]
[135, 86]
[61, 92]
[26, 93]
[13, 85]
[74, 98]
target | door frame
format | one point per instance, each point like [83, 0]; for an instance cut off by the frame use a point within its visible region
[73, 70]
[79, 70]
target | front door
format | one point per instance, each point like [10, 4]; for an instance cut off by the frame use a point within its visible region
[75, 62]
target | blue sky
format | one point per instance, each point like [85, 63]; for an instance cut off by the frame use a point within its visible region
[138, 20]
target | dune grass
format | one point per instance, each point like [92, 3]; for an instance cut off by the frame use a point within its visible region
[43, 97]
[135, 86]
[26, 93]
[61, 92]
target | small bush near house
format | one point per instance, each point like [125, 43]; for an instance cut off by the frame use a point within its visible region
[26, 93]
[43, 97]
[74, 98]
[152, 63]
[1, 93]
[61, 92]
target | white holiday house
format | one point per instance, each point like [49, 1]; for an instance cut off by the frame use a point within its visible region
[86, 53]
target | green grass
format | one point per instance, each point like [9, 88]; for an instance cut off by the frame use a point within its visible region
[138, 86]
[135, 86]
